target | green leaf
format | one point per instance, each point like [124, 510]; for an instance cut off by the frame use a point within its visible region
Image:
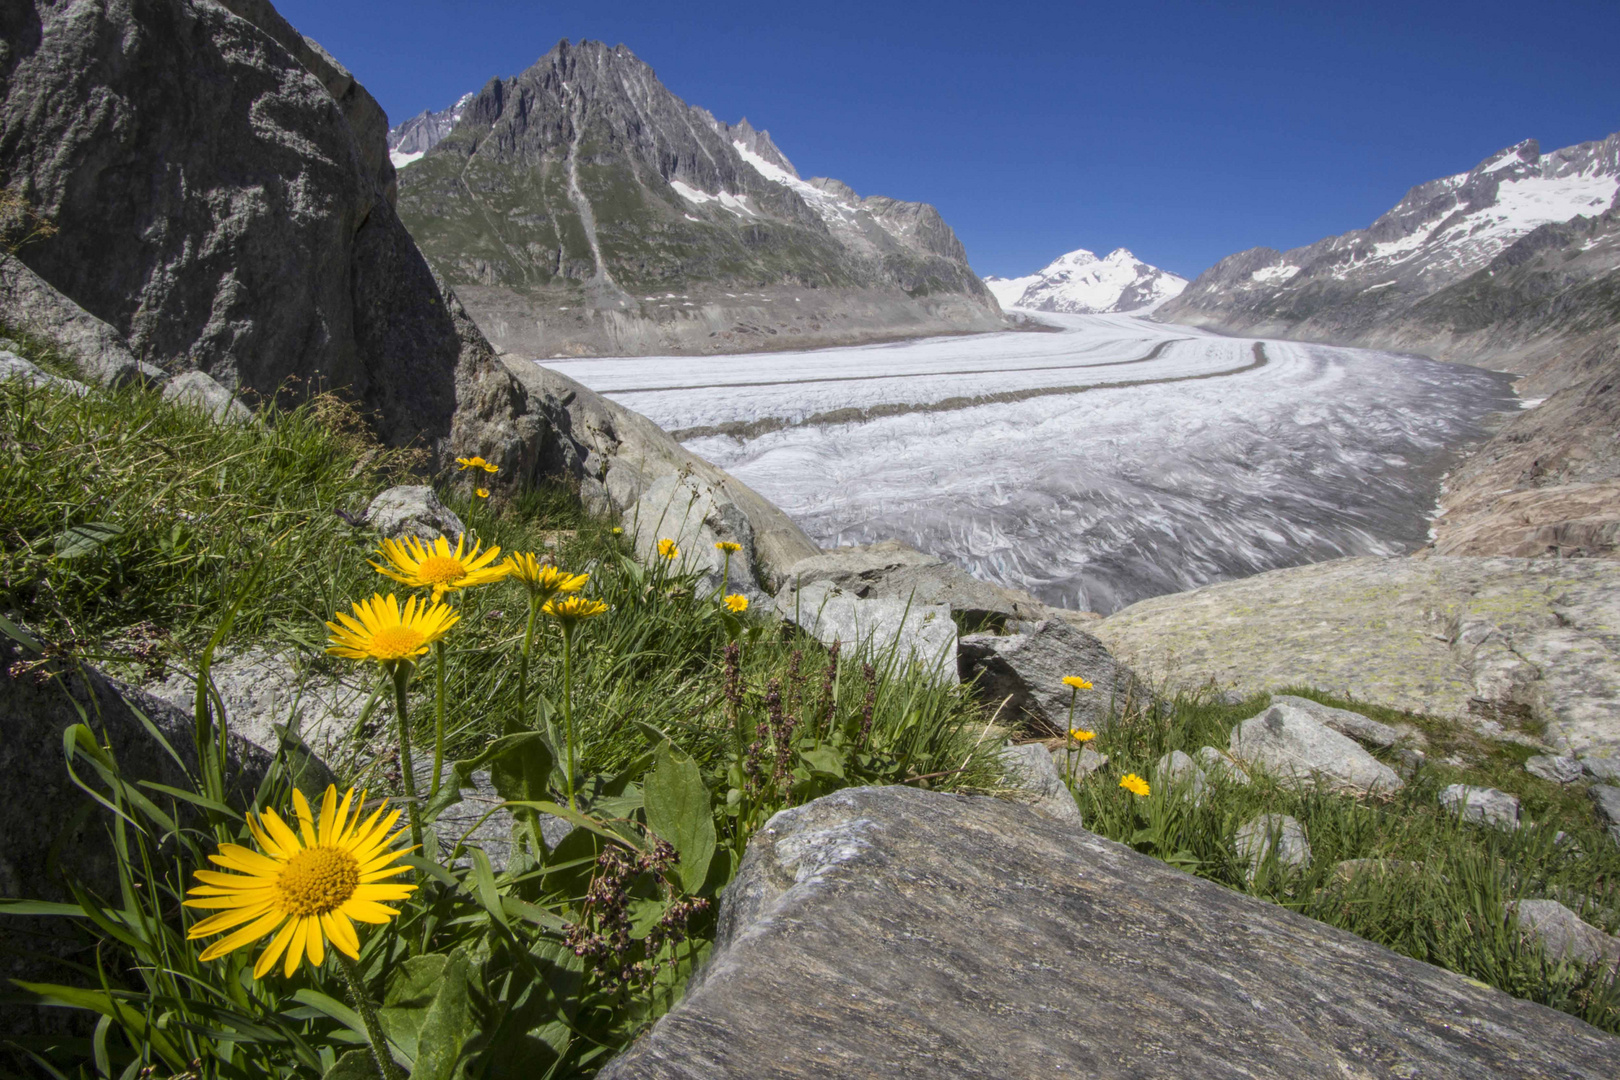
[113, 1009]
[678, 811]
[528, 745]
[448, 1025]
[522, 771]
[77, 540]
[824, 759]
[353, 1065]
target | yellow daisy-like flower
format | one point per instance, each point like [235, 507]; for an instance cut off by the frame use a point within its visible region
[491, 467]
[438, 568]
[466, 463]
[482, 493]
[736, 602]
[617, 531]
[541, 578]
[380, 631]
[1134, 784]
[1081, 735]
[730, 547]
[1076, 681]
[667, 548]
[572, 609]
[305, 889]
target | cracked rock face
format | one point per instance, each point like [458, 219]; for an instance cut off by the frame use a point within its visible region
[1490, 641]
[888, 932]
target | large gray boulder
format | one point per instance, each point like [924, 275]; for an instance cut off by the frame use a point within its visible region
[1363, 729]
[888, 932]
[1029, 669]
[908, 633]
[891, 570]
[696, 513]
[1488, 641]
[235, 216]
[1564, 935]
[620, 456]
[1287, 742]
[29, 302]
[1607, 799]
[1034, 770]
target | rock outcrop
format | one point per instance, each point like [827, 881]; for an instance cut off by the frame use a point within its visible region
[1491, 641]
[890, 570]
[885, 631]
[233, 216]
[1482, 805]
[1292, 745]
[883, 932]
[1026, 671]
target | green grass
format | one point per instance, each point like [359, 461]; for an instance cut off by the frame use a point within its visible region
[1440, 896]
[131, 525]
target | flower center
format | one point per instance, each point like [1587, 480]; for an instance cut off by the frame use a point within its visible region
[397, 642]
[317, 880]
[440, 570]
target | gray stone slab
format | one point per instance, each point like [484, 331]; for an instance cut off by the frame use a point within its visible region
[1289, 743]
[1487, 806]
[1363, 729]
[923, 634]
[1564, 935]
[888, 932]
[1026, 671]
[1032, 768]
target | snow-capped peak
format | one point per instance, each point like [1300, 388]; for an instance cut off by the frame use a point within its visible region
[1080, 283]
[421, 133]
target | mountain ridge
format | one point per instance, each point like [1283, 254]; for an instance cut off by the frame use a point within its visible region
[582, 208]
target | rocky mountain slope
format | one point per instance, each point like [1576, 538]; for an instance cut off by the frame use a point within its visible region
[1513, 265]
[581, 208]
[1080, 283]
[407, 142]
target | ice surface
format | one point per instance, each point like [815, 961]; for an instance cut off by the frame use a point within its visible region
[1116, 460]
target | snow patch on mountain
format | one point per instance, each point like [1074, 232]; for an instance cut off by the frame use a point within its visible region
[409, 141]
[1080, 283]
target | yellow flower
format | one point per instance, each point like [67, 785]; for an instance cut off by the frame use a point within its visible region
[1076, 681]
[617, 531]
[730, 547]
[667, 548]
[491, 467]
[471, 463]
[380, 631]
[437, 567]
[305, 890]
[1134, 784]
[1081, 735]
[541, 578]
[736, 602]
[572, 609]
[482, 493]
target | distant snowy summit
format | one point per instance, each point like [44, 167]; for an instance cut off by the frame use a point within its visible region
[1079, 283]
[407, 142]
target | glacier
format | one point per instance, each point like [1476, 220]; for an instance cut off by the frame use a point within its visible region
[1105, 462]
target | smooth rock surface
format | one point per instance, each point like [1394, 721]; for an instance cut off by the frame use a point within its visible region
[1364, 730]
[1563, 934]
[1461, 638]
[1287, 742]
[1560, 769]
[1487, 806]
[1032, 767]
[1602, 768]
[892, 570]
[1078, 764]
[1259, 837]
[413, 510]
[1030, 667]
[697, 514]
[200, 391]
[888, 932]
[911, 633]
[1217, 762]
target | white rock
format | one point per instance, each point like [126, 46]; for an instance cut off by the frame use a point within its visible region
[1256, 839]
[1177, 771]
[912, 633]
[1360, 728]
[1078, 764]
[1219, 763]
[1031, 768]
[1560, 770]
[413, 510]
[1289, 743]
[13, 366]
[201, 391]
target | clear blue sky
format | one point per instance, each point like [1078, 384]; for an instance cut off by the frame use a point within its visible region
[1182, 130]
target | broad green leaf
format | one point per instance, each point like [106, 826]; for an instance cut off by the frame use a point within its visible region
[824, 759]
[448, 1025]
[678, 811]
[410, 991]
[353, 1065]
[528, 745]
[77, 540]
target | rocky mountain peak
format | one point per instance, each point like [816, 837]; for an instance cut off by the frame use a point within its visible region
[1080, 283]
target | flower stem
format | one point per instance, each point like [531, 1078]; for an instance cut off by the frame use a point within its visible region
[1068, 736]
[402, 678]
[528, 646]
[362, 1005]
[438, 720]
[568, 705]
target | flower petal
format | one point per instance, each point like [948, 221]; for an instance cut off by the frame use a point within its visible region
[367, 911]
[341, 933]
[247, 860]
[306, 820]
[317, 941]
[278, 945]
[383, 892]
[251, 932]
[233, 899]
[296, 947]
[218, 924]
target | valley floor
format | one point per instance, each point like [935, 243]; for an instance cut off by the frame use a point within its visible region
[1115, 460]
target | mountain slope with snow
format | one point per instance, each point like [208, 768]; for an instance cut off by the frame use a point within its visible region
[583, 207]
[409, 141]
[1509, 264]
[1080, 283]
